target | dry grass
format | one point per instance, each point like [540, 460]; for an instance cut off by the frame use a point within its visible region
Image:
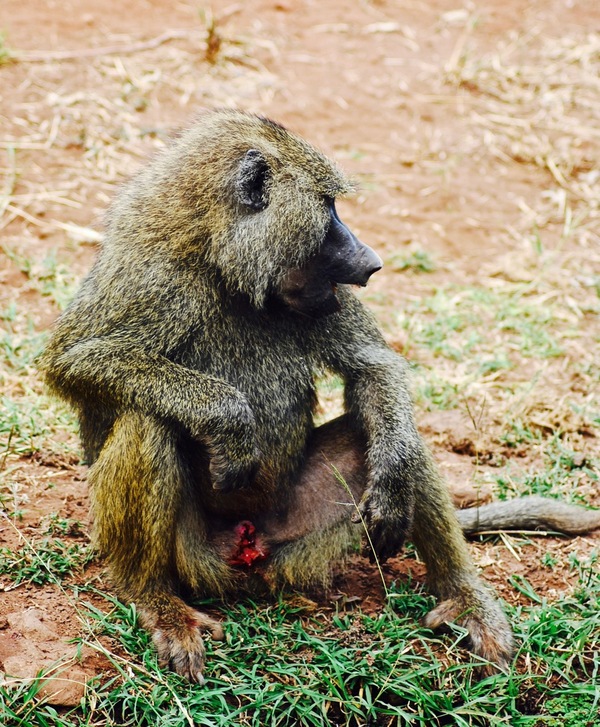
[530, 314]
[93, 127]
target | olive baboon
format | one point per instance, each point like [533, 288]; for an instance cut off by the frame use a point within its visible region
[190, 354]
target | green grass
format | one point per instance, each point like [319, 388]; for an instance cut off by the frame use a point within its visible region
[20, 343]
[23, 423]
[560, 476]
[470, 335]
[43, 561]
[5, 54]
[50, 277]
[468, 324]
[418, 261]
[572, 710]
[434, 391]
[282, 665]
[29, 418]
[30, 424]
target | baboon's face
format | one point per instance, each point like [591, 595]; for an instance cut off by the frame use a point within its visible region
[288, 235]
[341, 259]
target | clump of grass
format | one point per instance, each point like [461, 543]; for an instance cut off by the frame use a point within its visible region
[20, 343]
[54, 524]
[566, 474]
[26, 425]
[49, 277]
[5, 54]
[29, 419]
[483, 327]
[572, 710]
[418, 261]
[434, 391]
[43, 561]
[12, 497]
[20, 705]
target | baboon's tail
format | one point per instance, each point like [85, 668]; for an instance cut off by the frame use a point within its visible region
[529, 513]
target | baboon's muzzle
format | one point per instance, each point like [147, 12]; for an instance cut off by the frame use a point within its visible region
[345, 258]
[341, 259]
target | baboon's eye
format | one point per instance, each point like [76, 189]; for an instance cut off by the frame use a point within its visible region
[252, 181]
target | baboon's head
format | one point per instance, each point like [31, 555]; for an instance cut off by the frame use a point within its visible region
[264, 203]
[341, 258]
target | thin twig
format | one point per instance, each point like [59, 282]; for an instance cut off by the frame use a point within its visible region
[10, 181]
[70, 55]
[339, 477]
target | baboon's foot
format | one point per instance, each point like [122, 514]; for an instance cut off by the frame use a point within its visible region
[490, 635]
[177, 636]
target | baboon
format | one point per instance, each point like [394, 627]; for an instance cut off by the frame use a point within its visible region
[190, 352]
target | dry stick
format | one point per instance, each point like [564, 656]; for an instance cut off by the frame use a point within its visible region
[69, 55]
[338, 476]
[11, 180]
[86, 234]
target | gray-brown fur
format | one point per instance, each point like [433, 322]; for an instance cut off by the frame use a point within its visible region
[529, 513]
[190, 353]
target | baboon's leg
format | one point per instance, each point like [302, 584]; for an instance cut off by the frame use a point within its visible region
[138, 487]
[452, 577]
[315, 533]
[329, 485]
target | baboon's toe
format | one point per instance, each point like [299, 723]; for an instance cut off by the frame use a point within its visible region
[180, 644]
[490, 635]
[181, 650]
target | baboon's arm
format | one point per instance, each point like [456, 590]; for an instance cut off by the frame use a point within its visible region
[377, 397]
[122, 377]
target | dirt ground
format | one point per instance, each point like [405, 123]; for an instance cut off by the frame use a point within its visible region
[412, 98]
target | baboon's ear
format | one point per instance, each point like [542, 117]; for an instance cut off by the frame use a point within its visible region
[252, 181]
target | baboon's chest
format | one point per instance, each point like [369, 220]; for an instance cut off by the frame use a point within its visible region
[270, 365]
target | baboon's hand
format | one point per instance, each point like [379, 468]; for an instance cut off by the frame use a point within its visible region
[234, 454]
[387, 520]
